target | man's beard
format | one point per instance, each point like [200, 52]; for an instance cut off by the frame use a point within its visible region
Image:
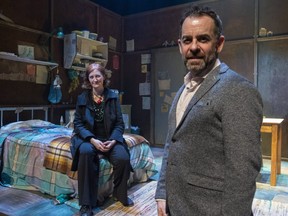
[203, 68]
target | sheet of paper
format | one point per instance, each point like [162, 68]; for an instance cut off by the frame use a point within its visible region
[146, 103]
[168, 99]
[112, 43]
[130, 45]
[145, 58]
[144, 88]
[41, 74]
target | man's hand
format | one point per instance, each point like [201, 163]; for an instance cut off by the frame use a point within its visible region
[161, 208]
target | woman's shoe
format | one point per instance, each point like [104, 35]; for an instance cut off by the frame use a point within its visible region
[86, 210]
[128, 203]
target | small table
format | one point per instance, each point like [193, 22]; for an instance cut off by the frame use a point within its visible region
[274, 126]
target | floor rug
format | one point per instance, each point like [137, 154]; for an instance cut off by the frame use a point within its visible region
[270, 200]
[144, 203]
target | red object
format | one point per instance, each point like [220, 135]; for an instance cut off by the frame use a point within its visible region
[115, 62]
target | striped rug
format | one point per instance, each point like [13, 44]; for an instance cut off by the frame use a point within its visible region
[144, 203]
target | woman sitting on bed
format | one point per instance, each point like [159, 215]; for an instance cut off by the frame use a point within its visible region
[98, 129]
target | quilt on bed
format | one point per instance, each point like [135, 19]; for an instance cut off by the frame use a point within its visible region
[38, 153]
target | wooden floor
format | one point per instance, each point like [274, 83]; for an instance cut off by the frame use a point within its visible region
[16, 202]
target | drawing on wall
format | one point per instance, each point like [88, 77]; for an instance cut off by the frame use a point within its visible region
[26, 51]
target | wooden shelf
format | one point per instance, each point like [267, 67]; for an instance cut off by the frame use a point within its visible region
[28, 61]
[78, 49]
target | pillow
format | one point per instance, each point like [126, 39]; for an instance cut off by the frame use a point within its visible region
[133, 139]
[15, 126]
[38, 123]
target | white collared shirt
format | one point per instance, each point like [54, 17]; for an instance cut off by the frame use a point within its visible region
[191, 87]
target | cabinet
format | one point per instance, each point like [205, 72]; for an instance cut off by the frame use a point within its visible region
[80, 51]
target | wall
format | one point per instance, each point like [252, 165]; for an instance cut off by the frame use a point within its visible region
[261, 60]
[33, 23]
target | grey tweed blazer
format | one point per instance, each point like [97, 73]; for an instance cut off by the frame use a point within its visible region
[213, 156]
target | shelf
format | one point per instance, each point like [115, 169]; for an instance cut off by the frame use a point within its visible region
[78, 49]
[29, 61]
[272, 38]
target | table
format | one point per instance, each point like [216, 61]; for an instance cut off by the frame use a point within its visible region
[274, 126]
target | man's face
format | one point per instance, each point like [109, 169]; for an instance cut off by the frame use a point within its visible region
[198, 44]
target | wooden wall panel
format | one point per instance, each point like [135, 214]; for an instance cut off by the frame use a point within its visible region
[116, 79]
[110, 24]
[238, 17]
[132, 78]
[273, 16]
[29, 13]
[235, 53]
[151, 30]
[75, 15]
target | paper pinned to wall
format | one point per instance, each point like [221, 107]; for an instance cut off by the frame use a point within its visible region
[146, 103]
[164, 84]
[41, 74]
[144, 88]
[112, 43]
[145, 58]
[168, 99]
[144, 68]
[130, 45]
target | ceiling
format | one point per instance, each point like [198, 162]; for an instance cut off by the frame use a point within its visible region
[128, 7]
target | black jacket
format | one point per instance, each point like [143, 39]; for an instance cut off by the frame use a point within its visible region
[84, 121]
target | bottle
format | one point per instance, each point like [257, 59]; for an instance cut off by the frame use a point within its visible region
[61, 120]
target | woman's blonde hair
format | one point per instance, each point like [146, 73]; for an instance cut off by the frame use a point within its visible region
[92, 67]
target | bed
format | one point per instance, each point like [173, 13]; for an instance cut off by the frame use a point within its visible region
[35, 154]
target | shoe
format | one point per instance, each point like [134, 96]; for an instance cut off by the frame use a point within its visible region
[129, 202]
[86, 210]
[100, 203]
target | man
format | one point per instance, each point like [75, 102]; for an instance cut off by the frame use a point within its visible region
[212, 153]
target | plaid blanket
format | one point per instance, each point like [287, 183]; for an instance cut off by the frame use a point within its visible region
[58, 157]
[40, 156]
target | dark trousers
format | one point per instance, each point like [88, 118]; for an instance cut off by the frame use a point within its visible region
[88, 172]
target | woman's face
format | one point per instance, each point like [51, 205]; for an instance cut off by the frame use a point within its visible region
[96, 79]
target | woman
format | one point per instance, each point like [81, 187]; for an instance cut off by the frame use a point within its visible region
[98, 129]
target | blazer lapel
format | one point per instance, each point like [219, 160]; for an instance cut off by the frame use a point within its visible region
[212, 78]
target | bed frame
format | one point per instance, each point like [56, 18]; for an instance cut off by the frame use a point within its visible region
[12, 114]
